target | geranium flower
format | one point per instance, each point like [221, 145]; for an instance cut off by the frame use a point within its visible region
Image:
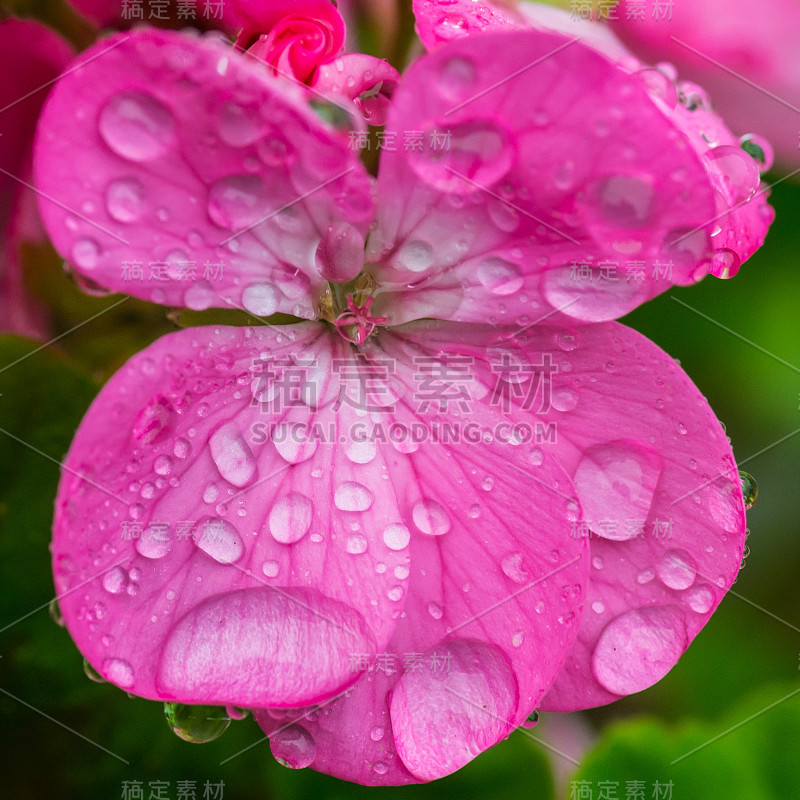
[750, 71]
[390, 535]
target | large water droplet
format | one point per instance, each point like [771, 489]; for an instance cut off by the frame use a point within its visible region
[431, 517]
[700, 598]
[454, 712]
[125, 199]
[196, 724]
[237, 201]
[294, 441]
[638, 648]
[293, 747]
[677, 569]
[615, 484]
[232, 455]
[219, 539]
[353, 496]
[136, 126]
[759, 149]
[531, 721]
[290, 518]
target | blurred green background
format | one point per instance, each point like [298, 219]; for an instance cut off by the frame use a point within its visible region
[740, 343]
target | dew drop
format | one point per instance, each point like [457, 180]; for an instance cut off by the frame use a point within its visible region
[196, 724]
[260, 299]
[270, 569]
[232, 455]
[353, 496]
[435, 610]
[220, 540]
[396, 536]
[677, 569]
[513, 569]
[700, 598]
[155, 541]
[290, 518]
[749, 488]
[119, 672]
[125, 199]
[293, 747]
[237, 201]
[376, 734]
[499, 277]
[136, 126]
[430, 517]
[356, 544]
[85, 253]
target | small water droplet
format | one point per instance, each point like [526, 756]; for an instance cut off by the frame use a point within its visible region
[125, 199]
[749, 488]
[119, 672]
[91, 673]
[219, 539]
[353, 496]
[531, 721]
[290, 518]
[396, 536]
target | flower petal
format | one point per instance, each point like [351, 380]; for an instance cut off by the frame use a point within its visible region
[174, 169]
[214, 542]
[660, 493]
[438, 22]
[559, 198]
[496, 582]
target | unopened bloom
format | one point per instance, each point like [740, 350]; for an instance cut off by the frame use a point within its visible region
[457, 486]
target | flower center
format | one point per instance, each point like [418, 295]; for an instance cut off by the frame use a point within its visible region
[347, 307]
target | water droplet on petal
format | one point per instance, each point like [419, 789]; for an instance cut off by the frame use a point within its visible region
[155, 421]
[219, 539]
[238, 126]
[430, 517]
[55, 613]
[155, 541]
[376, 734]
[119, 672]
[91, 673]
[725, 263]
[353, 496]
[356, 544]
[499, 277]
[237, 201]
[759, 149]
[85, 253]
[734, 172]
[293, 747]
[700, 598]
[182, 448]
[125, 199]
[260, 299]
[270, 569]
[615, 484]
[479, 153]
[196, 724]
[531, 721]
[136, 126]
[415, 256]
[512, 567]
[290, 518]
[454, 712]
[435, 610]
[232, 455]
[396, 536]
[677, 569]
[638, 648]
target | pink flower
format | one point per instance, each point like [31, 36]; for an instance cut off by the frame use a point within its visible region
[744, 53]
[391, 535]
[31, 57]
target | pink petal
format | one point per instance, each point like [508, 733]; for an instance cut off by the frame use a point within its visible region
[213, 541]
[176, 170]
[699, 33]
[439, 22]
[660, 494]
[366, 80]
[31, 56]
[494, 591]
[555, 193]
